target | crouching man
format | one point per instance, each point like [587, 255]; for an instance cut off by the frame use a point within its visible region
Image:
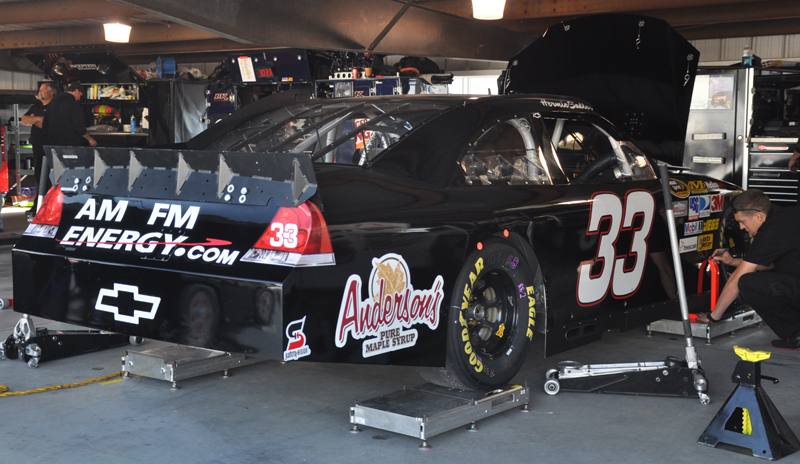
[775, 293]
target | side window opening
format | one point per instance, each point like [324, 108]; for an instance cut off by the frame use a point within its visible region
[588, 153]
[505, 154]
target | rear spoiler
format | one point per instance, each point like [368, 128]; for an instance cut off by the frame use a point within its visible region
[280, 179]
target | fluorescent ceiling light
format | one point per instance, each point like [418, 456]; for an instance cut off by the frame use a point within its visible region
[488, 9]
[117, 32]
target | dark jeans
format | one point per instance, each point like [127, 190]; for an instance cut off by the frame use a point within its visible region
[774, 296]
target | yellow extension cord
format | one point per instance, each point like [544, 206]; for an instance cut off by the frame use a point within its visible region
[4, 389]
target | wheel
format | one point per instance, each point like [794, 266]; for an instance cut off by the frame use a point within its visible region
[199, 306]
[551, 374]
[134, 340]
[705, 400]
[33, 363]
[552, 387]
[491, 320]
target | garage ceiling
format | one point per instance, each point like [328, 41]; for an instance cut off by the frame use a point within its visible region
[206, 30]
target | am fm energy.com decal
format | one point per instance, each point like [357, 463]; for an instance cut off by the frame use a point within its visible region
[391, 308]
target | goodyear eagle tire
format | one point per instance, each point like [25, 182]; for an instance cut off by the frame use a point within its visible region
[491, 319]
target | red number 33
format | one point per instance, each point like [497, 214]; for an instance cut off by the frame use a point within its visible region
[622, 280]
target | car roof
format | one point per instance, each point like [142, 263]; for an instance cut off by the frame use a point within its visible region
[544, 101]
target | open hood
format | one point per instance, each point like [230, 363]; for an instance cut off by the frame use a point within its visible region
[637, 71]
[103, 67]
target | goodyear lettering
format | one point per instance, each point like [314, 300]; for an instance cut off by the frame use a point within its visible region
[531, 311]
[473, 358]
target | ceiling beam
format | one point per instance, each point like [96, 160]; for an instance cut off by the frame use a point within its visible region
[48, 11]
[341, 25]
[748, 29]
[177, 47]
[533, 9]
[56, 38]
[695, 16]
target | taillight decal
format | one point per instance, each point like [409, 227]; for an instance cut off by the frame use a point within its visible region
[45, 224]
[295, 237]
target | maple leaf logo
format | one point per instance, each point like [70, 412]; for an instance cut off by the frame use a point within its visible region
[395, 278]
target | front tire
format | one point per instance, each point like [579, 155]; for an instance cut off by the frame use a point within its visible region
[491, 319]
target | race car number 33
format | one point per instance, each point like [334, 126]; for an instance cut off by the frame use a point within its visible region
[622, 281]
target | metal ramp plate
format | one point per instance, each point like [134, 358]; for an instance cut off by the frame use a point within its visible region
[428, 410]
[707, 331]
[178, 362]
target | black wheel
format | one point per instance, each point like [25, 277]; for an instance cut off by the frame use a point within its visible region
[491, 320]
[199, 306]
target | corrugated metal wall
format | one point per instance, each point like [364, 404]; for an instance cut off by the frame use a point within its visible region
[10, 80]
[724, 51]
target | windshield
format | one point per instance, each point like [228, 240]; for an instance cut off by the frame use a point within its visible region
[346, 132]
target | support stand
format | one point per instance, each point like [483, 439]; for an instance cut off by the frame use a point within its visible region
[748, 421]
[429, 409]
[174, 363]
[34, 345]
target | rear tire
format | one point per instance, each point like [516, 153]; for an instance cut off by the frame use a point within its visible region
[200, 312]
[491, 320]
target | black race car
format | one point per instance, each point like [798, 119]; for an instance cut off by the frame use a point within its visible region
[436, 231]
[442, 232]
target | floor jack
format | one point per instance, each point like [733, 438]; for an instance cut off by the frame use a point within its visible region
[34, 345]
[748, 421]
[673, 377]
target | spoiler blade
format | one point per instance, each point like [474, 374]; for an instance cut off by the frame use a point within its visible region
[282, 179]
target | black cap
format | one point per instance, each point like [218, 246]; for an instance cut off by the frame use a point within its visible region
[73, 86]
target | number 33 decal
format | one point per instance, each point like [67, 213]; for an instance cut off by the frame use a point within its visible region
[592, 289]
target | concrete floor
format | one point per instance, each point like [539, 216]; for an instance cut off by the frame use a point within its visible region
[299, 412]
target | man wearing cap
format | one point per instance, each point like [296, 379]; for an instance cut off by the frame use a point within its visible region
[65, 122]
[775, 293]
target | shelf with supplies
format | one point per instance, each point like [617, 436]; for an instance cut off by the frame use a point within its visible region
[112, 92]
[17, 174]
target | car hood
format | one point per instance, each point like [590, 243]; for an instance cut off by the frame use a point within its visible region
[637, 71]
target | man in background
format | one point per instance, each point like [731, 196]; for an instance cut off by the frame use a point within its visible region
[66, 123]
[35, 118]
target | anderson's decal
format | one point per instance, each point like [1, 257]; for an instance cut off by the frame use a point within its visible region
[297, 347]
[392, 305]
[127, 308]
[620, 270]
[161, 243]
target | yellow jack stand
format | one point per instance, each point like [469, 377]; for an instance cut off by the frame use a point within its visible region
[748, 421]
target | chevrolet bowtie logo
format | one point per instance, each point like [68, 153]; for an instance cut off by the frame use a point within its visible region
[126, 299]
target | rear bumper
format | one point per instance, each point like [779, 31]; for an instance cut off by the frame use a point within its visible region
[193, 309]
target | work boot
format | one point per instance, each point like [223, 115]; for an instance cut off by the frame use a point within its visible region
[790, 343]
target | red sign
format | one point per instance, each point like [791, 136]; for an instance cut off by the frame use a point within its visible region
[265, 72]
